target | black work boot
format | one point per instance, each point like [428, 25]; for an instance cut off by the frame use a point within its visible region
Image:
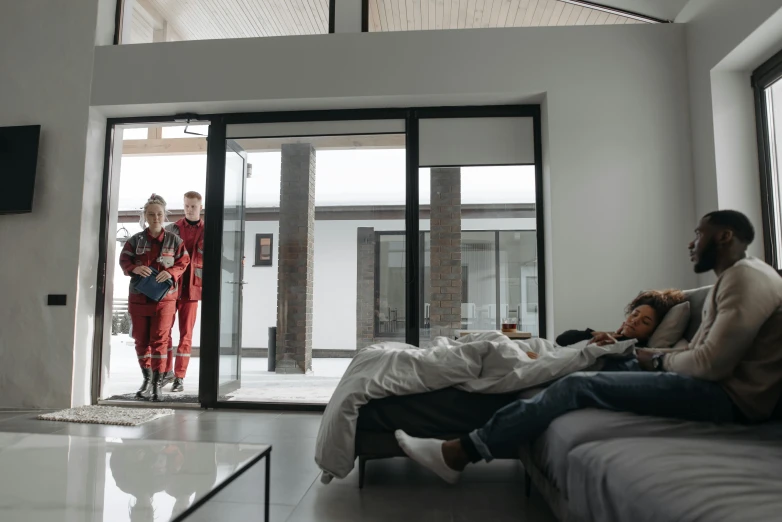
[157, 392]
[179, 385]
[143, 392]
[166, 379]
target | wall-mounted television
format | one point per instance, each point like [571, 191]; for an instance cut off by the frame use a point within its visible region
[18, 161]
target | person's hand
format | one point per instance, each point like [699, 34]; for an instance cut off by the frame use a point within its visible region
[602, 338]
[143, 271]
[645, 359]
[162, 276]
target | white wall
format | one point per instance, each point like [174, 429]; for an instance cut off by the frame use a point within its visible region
[46, 59]
[619, 188]
[724, 149]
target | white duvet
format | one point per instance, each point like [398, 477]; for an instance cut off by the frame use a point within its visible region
[481, 363]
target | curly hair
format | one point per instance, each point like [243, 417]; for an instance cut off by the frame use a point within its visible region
[661, 301]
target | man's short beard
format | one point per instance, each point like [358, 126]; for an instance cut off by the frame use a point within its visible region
[707, 260]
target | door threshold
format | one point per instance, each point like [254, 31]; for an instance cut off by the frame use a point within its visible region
[148, 404]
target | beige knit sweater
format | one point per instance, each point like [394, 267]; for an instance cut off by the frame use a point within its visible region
[739, 343]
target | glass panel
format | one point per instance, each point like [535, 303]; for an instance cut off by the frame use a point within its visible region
[774, 104]
[398, 15]
[325, 202]
[479, 249]
[181, 20]
[232, 265]
[390, 271]
[136, 174]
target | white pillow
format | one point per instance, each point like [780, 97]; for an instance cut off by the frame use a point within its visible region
[672, 327]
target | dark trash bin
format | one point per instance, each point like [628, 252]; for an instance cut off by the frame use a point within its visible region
[272, 348]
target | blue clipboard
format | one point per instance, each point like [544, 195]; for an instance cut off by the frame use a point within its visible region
[151, 288]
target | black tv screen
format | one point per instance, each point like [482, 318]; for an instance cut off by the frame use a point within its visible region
[18, 161]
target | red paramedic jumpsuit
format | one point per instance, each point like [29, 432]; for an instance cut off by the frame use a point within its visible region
[151, 321]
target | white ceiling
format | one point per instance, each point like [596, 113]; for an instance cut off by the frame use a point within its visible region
[417, 15]
[159, 20]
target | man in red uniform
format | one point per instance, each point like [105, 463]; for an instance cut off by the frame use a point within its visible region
[191, 230]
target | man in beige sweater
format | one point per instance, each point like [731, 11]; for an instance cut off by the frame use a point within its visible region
[731, 371]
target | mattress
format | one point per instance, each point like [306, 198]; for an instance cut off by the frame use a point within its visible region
[551, 450]
[686, 480]
[442, 414]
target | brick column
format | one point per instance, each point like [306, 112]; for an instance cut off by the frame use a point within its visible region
[366, 306]
[295, 259]
[445, 314]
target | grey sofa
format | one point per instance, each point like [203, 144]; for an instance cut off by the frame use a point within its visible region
[594, 465]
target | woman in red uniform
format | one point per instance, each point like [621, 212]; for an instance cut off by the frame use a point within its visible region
[153, 248]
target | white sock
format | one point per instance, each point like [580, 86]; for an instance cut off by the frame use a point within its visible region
[428, 453]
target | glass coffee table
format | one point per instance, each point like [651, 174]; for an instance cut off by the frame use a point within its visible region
[67, 478]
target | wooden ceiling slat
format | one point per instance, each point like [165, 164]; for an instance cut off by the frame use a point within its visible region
[584, 16]
[592, 18]
[269, 17]
[461, 17]
[402, 14]
[438, 13]
[291, 15]
[311, 11]
[539, 11]
[390, 15]
[477, 15]
[423, 8]
[322, 11]
[305, 11]
[454, 22]
[565, 16]
[379, 17]
[601, 19]
[513, 8]
[502, 18]
[414, 15]
[488, 5]
[446, 14]
[236, 15]
[283, 17]
[416, 10]
[559, 7]
[432, 14]
[521, 12]
[274, 24]
[547, 14]
[495, 12]
[214, 21]
[531, 8]
[397, 19]
[255, 19]
[469, 17]
[611, 20]
[213, 12]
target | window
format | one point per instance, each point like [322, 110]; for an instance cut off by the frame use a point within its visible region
[399, 15]
[153, 21]
[767, 82]
[263, 249]
[498, 274]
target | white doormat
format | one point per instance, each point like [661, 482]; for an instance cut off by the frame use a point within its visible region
[107, 415]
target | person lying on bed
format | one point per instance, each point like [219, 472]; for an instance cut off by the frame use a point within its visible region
[643, 316]
[730, 372]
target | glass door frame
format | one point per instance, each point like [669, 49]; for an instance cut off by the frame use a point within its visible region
[210, 330]
[764, 77]
[214, 206]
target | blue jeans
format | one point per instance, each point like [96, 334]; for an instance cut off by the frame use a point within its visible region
[644, 393]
